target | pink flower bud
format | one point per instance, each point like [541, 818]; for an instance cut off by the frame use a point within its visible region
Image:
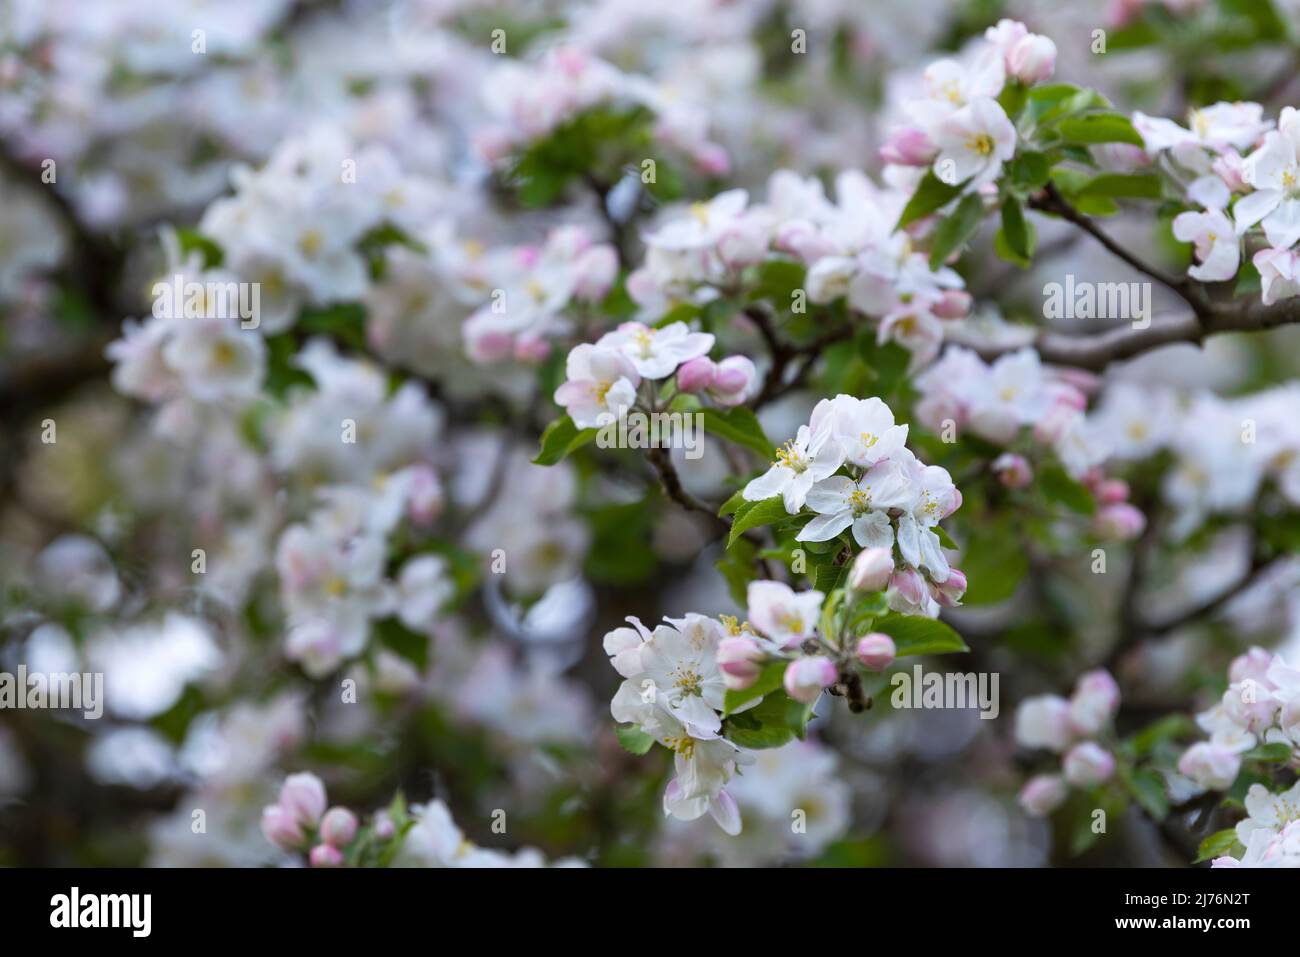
[908, 146]
[1087, 764]
[1043, 794]
[909, 584]
[871, 569]
[740, 661]
[1211, 766]
[953, 304]
[696, 375]
[280, 828]
[876, 650]
[488, 346]
[949, 591]
[531, 350]
[712, 160]
[734, 380]
[338, 827]
[1228, 167]
[303, 796]
[1032, 59]
[1111, 491]
[1119, 522]
[1013, 470]
[425, 496]
[1043, 721]
[1094, 702]
[382, 825]
[326, 855]
[806, 677]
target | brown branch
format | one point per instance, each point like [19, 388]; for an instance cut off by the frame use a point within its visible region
[1051, 201]
[1096, 352]
[662, 462]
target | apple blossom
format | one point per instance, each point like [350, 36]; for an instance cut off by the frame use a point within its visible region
[805, 678]
[876, 651]
[871, 569]
[1043, 794]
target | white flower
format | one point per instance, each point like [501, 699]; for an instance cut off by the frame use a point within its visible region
[1217, 246]
[600, 381]
[973, 143]
[807, 459]
[1279, 274]
[705, 226]
[1043, 721]
[785, 617]
[864, 427]
[423, 588]
[623, 645]
[703, 767]
[1268, 812]
[656, 353]
[1217, 127]
[1274, 171]
[215, 359]
[862, 504]
[684, 669]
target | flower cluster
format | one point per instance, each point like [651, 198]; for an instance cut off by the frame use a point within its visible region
[534, 287]
[848, 246]
[1271, 832]
[603, 378]
[850, 467]
[957, 127]
[530, 100]
[426, 836]
[1260, 706]
[1017, 395]
[1069, 726]
[1241, 172]
[673, 691]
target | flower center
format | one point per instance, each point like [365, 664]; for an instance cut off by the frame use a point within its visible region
[980, 144]
[791, 457]
[685, 746]
[859, 501]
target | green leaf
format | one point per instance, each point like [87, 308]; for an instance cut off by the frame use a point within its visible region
[760, 513]
[1016, 233]
[1148, 790]
[769, 679]
[191, 240]
[918, 635]
[734, 504]
[1028, 170]
[953, 233]
[829, 576]
[411, 645]
[560, 440]
[994, 562]
[945, 539]
[1099, 128]
[1124, 186]
[633, 739]
[1168, 728]
[932, 193]
[738, 425]
[1217, 844]
[1269, 752]
[1059, 488]
[775, 722]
